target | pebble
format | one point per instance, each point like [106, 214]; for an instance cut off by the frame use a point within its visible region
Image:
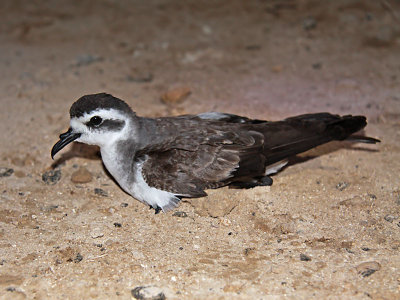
[140, 79]
[309, 23]
[277, 68]
[96, 233]
[304, 257]
[253, 47]
[180, 214]
[317, 66]
[342, 185]
[51, 177]
[233, 288]
[87, 59]
[100, 192]
[82, 175]
[147, 293]
[6, 172]
[366, 269]
[390, 218]
[78, 258]
[175, 95]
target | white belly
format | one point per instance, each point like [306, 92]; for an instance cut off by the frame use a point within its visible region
[131, 181]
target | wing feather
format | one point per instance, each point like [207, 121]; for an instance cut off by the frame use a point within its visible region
[213, 163]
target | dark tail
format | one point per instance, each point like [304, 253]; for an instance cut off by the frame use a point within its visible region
[301, 133]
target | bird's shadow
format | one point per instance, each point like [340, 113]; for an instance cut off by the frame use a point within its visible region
[324, 150]
[78, 150]
[83, 151]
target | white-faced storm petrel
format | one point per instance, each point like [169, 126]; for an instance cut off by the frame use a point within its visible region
[159, 161]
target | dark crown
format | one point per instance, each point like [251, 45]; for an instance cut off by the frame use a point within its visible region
[89, 103]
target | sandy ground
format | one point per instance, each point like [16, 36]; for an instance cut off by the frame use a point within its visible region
[329, 227]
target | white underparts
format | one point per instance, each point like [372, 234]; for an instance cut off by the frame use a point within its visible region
[150, 195]
[134, 183]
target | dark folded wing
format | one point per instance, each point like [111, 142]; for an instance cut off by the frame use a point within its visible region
[213, 163]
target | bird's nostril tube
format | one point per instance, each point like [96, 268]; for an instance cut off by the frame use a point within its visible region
[65, 134]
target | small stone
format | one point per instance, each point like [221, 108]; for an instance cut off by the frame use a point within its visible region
[100, 192]
[253, 47]
[368, 268]
[175, 95]
[309, 23]
[317, 66]
[51, 177]
[207, 29]
[78, 258]
[140, 78]
[390, 218]
[96, 233]
[124, 204]
[277, 68]
[342, 185]
[226, 222]
[82, 175]
[233, 288]
[304, 257]
[6, 172]
[87, 59]
[346, 244]
[180, 214]
[147, 293]
[118, 225]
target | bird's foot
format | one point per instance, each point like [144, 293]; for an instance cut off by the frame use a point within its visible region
[263, 181]
[157, 209]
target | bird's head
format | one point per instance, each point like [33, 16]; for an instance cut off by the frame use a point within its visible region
[98, 119]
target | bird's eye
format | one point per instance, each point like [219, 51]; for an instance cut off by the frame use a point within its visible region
[95, 121]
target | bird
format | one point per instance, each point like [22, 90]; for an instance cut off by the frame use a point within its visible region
[159, 161]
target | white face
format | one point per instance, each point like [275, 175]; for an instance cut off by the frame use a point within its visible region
[101, 127]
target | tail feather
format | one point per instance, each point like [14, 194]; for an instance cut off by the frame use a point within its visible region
[301, 133]
[362, 139]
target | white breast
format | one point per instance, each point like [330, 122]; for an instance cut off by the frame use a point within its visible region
[131, 181]
[150, 195]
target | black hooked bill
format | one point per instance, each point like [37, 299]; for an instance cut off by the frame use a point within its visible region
[65, 139]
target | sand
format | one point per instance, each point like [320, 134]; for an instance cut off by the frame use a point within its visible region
[329, 227]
